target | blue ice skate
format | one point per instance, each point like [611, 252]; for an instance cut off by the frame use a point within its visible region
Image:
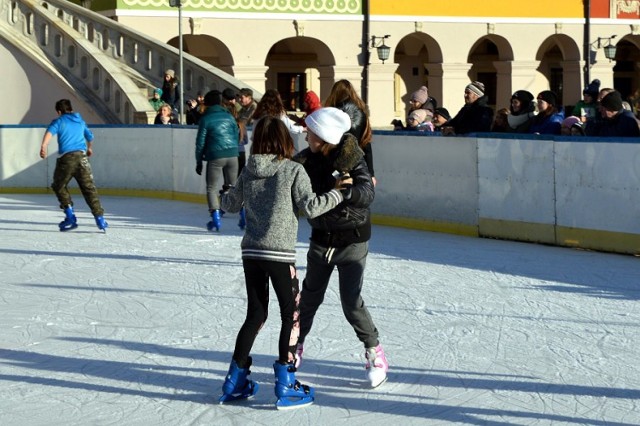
[290, 393]
[243, 220]
[236, 385]
[70, 222]
[215, 221]
[101, 223]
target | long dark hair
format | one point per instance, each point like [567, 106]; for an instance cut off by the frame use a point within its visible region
[270, 104]
[343, 91]
[271, 136]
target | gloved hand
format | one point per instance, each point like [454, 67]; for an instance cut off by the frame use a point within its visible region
[199, 167]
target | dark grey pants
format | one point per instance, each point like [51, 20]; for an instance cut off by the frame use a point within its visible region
[221, 171]
[350, 262]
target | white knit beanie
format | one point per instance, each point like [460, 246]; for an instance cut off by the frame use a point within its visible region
[329, 124]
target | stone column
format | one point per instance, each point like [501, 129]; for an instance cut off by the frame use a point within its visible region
[457, 78]
[571, 82]
[381, 95]
[603, 71]
[435, 81]
[504, 88]
[254, 76]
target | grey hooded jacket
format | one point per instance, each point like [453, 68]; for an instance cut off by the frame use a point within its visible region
[273, 192]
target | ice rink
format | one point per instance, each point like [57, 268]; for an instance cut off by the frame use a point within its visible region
[137, 326]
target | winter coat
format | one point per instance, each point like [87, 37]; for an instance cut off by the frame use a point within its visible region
[547, 125]
[73, 133]
[349, 222]
[217, 135]
[273, 191]
[473, 118]
[520, 123]
[623, 124]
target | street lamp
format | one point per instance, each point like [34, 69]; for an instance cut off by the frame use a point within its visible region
[382, 49]
[178, 4]
[609, 49]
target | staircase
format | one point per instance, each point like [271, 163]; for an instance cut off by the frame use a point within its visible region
[112, 67]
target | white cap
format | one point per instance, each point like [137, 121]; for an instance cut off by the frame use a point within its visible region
[329, 124]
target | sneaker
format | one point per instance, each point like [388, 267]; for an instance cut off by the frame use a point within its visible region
[299, 352]
[377, 366]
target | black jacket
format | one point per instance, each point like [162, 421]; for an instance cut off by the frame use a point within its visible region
[473, 118]
[350, 221]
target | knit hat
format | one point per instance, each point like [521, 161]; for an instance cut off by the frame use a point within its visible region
[419, 115]
[329, 124]
[158, 91]
[421, 95]
[523, 96]
[170, 73]
[443, 112]
[612, 102]
[549, 97]
[213, 97]
[570, 121]
[228, 94]
[476, 87]
[311, 102]
[592, 88]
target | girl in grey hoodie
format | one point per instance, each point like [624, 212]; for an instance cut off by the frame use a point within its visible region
[273, 190]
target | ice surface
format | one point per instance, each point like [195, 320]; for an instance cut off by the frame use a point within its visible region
[137, 326]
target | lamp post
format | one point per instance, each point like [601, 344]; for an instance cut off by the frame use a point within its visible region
[592, 48]
[382, 49]
[178, 4]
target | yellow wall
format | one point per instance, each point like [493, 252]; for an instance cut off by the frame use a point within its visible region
[486, 8]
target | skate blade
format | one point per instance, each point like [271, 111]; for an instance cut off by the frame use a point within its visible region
[224, 399]
[377, 383]
[240, 396]
[292, 404]
[67, 228]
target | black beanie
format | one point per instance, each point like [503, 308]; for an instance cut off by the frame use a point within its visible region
[549, 97]
[213, 97]
[592, 89]
[523, 96]
[612, 102]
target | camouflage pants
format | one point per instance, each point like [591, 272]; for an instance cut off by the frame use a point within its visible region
[76, 165]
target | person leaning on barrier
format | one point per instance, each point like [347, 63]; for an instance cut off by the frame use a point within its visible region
[616, 121]
[475, 116]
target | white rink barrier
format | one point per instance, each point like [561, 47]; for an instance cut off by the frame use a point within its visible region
[576, 192]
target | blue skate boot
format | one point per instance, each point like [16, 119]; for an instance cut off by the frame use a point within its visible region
[101, 223]
[290, 393]
[236, 385]
[243, 219]
[69, 221]
[215, 221]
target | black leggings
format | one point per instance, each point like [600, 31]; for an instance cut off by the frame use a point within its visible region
[285, 283]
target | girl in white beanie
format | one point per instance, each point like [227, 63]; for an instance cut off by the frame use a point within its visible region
[340, 237]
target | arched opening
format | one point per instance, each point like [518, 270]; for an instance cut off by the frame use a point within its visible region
[626, 72]
[207, 48]
[559, 58]
[490, 58]
[419, 63]
[298, 64]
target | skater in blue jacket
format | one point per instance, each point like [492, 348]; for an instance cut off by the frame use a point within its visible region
[74, 146]
[272, 189]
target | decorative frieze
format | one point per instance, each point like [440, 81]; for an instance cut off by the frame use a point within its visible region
[274, 6]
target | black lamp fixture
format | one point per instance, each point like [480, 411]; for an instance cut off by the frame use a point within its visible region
[609, 49]
[382, 49]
